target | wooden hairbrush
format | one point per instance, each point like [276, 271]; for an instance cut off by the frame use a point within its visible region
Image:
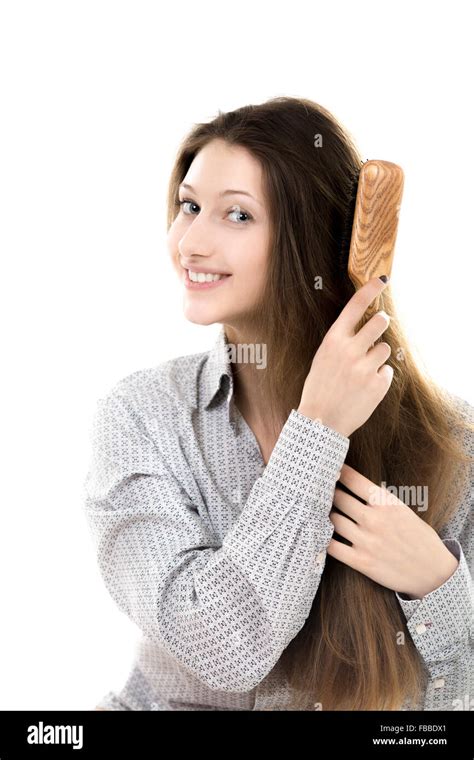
[373, 215]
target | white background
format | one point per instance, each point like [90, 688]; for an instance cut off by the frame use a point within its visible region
[94, 98]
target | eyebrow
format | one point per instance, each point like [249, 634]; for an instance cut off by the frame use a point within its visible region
[224, 192]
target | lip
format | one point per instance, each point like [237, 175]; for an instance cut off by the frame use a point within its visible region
[203, 285]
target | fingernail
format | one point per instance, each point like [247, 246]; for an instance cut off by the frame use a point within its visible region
[384, 278]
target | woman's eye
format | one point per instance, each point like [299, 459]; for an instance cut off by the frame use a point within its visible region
[238, 210]
[234, 210]
[183, 204]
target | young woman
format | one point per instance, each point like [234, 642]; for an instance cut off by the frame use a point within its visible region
[286, 517]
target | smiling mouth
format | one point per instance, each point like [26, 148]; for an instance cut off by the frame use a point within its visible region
[203, 283]
[203, 276]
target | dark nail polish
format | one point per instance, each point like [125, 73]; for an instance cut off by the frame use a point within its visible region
[384, 278]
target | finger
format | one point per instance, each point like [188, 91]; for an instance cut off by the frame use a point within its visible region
[351, 506]
[386, 372]
[345, 527]
[355, 309]
[379, 354]
[371, 331]
[358, 483]
[342, 552]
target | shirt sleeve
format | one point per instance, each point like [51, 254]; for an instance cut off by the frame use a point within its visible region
[441, 625]
[225, 610]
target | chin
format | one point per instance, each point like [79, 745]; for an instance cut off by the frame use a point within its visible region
[201, 321]
[193, 315]
[209, 316]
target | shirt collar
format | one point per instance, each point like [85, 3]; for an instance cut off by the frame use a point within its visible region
[216, 368]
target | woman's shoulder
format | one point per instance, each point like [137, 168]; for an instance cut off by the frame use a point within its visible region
[465, 408]
[165, 386]
[461, 523]
[462, 426]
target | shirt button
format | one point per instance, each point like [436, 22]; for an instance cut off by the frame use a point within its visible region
[438, 683]
[319, 558]
[420, 628]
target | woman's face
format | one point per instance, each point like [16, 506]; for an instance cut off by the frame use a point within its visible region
[219, 231]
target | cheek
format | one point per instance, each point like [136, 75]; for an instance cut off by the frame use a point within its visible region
[253, 262]
[172, 240]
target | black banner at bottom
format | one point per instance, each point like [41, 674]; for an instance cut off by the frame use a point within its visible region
[108, 733]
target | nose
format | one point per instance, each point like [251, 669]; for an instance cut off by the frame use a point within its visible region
[196, 241]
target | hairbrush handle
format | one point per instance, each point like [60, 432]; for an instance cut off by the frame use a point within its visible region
[374, 229]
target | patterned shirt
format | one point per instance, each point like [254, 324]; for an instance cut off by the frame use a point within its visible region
[217, 558]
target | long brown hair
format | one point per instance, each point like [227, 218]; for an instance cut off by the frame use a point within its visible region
[347, 655]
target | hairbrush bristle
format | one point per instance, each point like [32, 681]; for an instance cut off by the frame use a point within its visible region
[346, 233]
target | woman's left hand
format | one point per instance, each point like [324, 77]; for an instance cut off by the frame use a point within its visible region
[390, 543]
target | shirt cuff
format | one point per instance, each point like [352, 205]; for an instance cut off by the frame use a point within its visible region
[307, 455]
[441, 621]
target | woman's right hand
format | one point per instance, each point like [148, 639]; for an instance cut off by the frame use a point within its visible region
[348, 377]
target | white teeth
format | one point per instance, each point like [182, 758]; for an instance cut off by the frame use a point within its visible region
[201, 277]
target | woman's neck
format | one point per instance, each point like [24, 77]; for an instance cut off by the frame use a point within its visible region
[249, 396]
